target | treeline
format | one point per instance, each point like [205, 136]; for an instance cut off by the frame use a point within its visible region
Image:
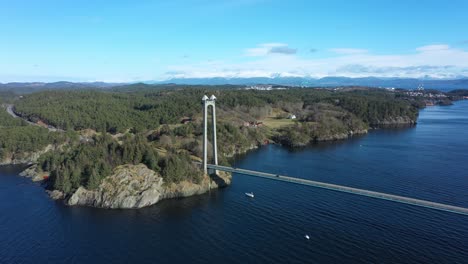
[321, 112]
[87, 163]
[147, 109]
[105, 111]
[374, 109]
[150, 120]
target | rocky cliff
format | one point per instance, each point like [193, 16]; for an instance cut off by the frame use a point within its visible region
[26, 157]
[34, 173]
[339, 136]
[394, 121]
[302, 139]
[239, 150]
[136, 186]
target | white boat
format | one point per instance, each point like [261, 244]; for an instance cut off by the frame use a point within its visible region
[250, 194]
[307, 236]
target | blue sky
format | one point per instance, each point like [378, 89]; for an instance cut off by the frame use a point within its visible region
[155, 40]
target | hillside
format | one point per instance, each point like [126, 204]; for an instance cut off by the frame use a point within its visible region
[162, 128]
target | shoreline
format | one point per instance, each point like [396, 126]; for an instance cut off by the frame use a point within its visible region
[238, 153]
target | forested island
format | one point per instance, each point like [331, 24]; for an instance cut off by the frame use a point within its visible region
[130, 146]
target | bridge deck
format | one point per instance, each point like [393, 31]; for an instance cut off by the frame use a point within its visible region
[340, 188]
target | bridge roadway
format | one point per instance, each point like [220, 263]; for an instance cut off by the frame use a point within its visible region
[340, 188]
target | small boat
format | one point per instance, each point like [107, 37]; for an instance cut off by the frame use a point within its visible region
[250, 194]
[307, 236]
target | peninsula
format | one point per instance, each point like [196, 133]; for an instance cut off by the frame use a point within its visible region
[131, 146]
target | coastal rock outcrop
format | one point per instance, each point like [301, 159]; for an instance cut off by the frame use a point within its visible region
[240, 150]
[394, 121]
[56, 194]
[26, 157]
[340, 136]
[303, 139]
[33, 173]
[136, 186]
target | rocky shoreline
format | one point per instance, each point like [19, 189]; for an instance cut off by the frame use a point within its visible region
[341, 136]
[323, 138]
[132, 186]
[26, 158]
[136, 186]
[400, 121]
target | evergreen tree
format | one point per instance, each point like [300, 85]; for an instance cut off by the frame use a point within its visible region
[94, 179]
[150, 160]
[75, 177]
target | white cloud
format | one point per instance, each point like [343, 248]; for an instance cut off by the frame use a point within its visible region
[269, 48]
[429, 48]
[283, 50]
[437, 61]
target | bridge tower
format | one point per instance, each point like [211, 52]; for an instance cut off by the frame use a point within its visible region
[207, 102]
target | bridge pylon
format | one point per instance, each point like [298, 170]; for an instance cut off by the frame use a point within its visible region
[207, 102]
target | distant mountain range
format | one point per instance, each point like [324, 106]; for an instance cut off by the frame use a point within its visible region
[404, 83]
[25, 87]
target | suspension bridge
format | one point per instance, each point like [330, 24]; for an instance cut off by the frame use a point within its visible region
[207, 102]
[345, 189]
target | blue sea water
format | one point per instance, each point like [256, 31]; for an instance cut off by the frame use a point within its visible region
[429, 161]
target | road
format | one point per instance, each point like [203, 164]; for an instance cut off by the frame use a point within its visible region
[11, 112]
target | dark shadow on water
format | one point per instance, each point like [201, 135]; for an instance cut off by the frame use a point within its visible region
[167, 208]
[394, 128]
[323, 145]
[12, 169]
[218, 180]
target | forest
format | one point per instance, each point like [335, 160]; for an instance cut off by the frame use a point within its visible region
[116, 112]
[18, 137]
[138, 124]
[86, 164]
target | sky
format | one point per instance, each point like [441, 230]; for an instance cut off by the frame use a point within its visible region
[131, 41]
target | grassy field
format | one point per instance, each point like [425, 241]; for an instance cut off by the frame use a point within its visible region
[273, 122]
[277, 119]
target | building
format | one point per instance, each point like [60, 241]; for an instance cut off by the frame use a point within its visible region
[253, 124]
[261, 87]
[186, 120]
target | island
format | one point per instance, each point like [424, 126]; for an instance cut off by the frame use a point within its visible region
[134, 145]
